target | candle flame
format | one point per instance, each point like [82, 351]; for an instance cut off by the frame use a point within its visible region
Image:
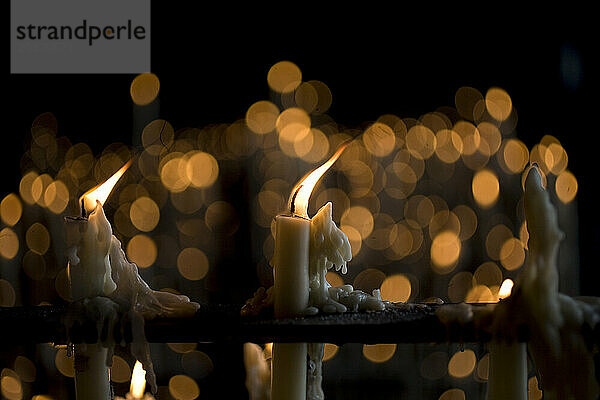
[138, 381]
[505, 289]
[298, 202]
[102, 191]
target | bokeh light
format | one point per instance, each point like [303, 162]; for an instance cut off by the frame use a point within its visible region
[144, 214]
[284, 76]
[485, 188]
[64, 363]
[498, 103]
[445, 250]
[7, 294]
[379, 353]
[462, 363]
[514, 156]
[396, 288]
[533, 390]
[453, 394]
[202, 169]
[141, 250]
[38, 238]
[120, 372]
[11, 209]
[566, 186]
[330, 351]
[11, 387]
[182, 387]
[262, 116]
[192, 263]
[9, 243]
[144, 88]
[379, 139]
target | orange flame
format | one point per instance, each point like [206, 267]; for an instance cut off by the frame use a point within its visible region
[138, 381]
[506, 289]
[298, 202]
[102, 191]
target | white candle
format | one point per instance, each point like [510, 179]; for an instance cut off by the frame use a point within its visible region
[291, 288]
[89, 266]
[508, 371]
[89, 271]
[292, 239]
[92, 376]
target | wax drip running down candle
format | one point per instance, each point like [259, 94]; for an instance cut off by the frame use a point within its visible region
[106, 287]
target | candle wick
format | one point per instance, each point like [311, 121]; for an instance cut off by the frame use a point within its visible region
[83, 208]
[293, 202]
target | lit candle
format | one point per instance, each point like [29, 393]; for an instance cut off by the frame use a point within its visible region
[89, 270]
[138, 385]
[106, 282]
[291, 284]
[89, 239]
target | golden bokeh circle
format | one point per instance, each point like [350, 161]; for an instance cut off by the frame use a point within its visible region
[182, 387]
[56, 197]
[284, 76]
[329, 351]
[37, 238]
[485, 188]
[566, 186]
[378, 353]
[262, 116]
[498, 103]
[141, 250]
[64, 363]
[453, 394]
[202, 170]
[462, 363]
[120, 371]
[445, 250]
[9, 243]
[11, 209]
[396, 288]
[25, 368]
[7, 294]
[144, 214]
[192, 263]
[144, 88]
[379, 139]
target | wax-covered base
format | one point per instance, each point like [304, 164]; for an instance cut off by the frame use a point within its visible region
[107, 288]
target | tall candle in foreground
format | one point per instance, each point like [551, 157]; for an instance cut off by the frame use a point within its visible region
[291, 286]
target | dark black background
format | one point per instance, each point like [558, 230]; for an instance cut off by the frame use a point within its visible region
[212, 65]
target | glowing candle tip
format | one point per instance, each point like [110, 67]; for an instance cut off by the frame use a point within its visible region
[138, 381]
[298, 202]
[101, 192]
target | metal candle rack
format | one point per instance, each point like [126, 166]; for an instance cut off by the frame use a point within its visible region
[399, 323]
